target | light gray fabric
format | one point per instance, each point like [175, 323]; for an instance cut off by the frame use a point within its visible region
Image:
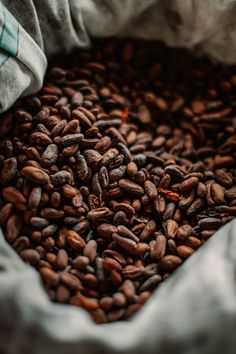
[192, 312]
[48, 27]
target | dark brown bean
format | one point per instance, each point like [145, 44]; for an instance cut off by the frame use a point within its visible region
[148, 231]
[71, 139]
[188, 184]
[51, 213]
[150, 189]
[35, 175]
[49, 156]
[61, 259]
[106, 230]
[49, 276]
[195, 207]
[30, 255]
[126, 243]
[61, 177]
[217, 192]
[34, 198]
[151, 283]
[93, 157]
[171, 228]
[209, 223]
[12, 195]
[158, 247]
[82, 168]
[131, 187]
[70, 280]
[13, 227]
[39, 222]
[230, 194]
[8, 171]
[170, 262]
[184, 251]
[5, 212]
[184, 232]
[90, 250]
[75, 240]
[85, 302]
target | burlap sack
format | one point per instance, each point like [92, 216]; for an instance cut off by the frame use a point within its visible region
[195, 310]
